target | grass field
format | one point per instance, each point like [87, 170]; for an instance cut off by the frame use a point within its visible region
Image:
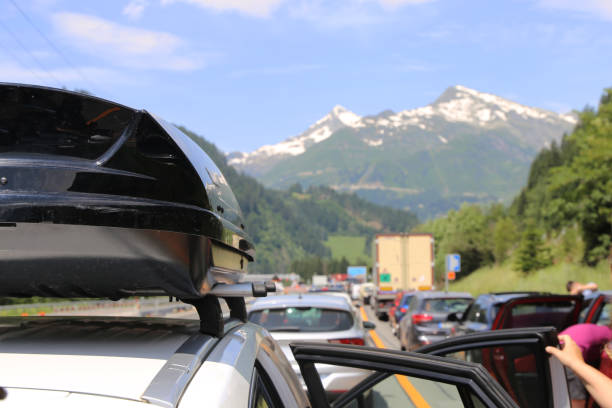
[350, 247]
[552, 279]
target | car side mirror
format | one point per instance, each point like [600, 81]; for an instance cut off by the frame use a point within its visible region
[369, 325]
[454, 317]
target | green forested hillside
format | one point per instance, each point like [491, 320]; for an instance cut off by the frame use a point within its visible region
[563, 214]
[467, 146]
[290, 227]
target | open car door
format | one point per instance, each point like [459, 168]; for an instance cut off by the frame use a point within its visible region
[400, 379]
[599, 310]
[559, 311]
[517, 359]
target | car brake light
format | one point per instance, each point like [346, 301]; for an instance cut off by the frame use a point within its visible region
[420, 318]
[403, 309]
[357, 341]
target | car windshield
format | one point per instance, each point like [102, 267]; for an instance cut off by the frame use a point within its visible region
[306, 319]
[446, 305]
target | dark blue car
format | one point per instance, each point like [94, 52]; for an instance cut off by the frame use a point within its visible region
[480, 315]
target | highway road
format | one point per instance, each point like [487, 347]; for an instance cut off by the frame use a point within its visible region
[403, 391]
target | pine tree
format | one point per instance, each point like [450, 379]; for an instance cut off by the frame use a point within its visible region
[530, 255]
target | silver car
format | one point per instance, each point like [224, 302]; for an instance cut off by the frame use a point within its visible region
[315, 318]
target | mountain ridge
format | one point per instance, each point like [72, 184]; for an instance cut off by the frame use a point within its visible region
[465, 146]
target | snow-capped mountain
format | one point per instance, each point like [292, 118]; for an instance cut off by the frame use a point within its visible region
[377, 156]
[266, 156]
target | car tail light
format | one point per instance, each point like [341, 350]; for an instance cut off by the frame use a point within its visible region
[357, 341]
[403, 309]
[421, 318]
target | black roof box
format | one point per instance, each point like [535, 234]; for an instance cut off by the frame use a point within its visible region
[101, 200]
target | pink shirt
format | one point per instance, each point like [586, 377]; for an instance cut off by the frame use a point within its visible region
[590, 338]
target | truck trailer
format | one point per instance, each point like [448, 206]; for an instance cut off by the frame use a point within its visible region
[403, 262]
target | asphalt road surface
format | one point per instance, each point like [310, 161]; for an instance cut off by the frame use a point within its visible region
[403, 391]
[383, 329]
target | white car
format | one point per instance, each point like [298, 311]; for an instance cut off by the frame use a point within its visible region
[317, 318]
[140, 362]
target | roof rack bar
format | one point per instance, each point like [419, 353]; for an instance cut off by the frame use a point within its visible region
[237, 308]
[211, 316]
[238, 290]
[170, 382]
[270, 286]
[209, 309]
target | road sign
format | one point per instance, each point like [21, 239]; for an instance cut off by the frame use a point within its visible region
[355, 271]
[453, 263]
[451, 275]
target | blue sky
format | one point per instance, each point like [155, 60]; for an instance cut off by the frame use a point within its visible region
[244, 73]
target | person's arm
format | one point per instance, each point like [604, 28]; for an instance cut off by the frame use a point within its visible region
[596, 383]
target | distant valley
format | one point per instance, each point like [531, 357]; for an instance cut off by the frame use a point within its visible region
[467, 146]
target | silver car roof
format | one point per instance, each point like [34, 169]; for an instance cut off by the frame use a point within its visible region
[104, 356]
[284, 301]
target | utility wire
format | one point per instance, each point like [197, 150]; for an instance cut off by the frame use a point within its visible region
[40, 64]
[8, 51]
[51, 44]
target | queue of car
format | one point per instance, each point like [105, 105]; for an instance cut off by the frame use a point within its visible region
[426, 318]
[91, 208]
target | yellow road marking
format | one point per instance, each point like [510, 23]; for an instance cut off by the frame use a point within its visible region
[364, 316]
[413, 394]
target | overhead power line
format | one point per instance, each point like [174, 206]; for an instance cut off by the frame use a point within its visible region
[40, 64]
[51, 44]
[11, 54]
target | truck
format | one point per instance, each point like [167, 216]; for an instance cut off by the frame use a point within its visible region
[402, 262]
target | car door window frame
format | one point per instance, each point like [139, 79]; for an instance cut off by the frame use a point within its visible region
[509, 337]
[595, 309]
[433, 368]
[261, 384]
[464, 392]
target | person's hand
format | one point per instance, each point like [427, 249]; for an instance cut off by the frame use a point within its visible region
[570, 354]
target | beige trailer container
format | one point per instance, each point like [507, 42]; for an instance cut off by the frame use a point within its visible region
[403, 262]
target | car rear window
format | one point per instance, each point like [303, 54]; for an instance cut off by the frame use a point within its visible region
[306, 319]
[446, 305]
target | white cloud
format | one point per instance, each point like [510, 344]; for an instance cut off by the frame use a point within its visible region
[598, 8]
[256, 8]
[126, 46]
[134, 9]
[12, 72]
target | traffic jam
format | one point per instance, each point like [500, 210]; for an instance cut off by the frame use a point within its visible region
[506, 332]
[90, 209]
